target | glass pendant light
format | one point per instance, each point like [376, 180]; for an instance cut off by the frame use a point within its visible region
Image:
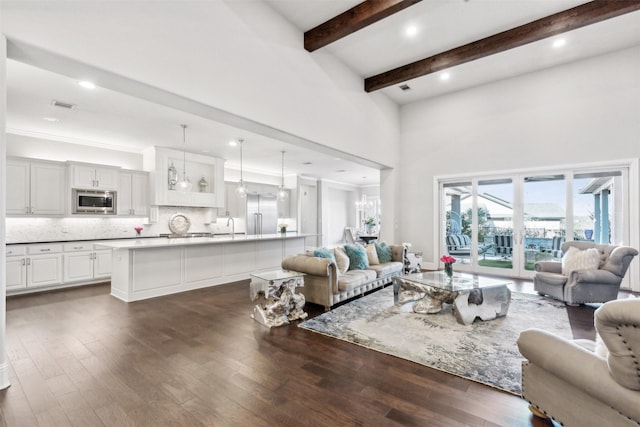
[184, 185]
[242, 188]
[282, 192]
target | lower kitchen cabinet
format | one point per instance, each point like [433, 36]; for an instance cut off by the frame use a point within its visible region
[84, 264]
[16, 273]
[34, 266]
[47, 266]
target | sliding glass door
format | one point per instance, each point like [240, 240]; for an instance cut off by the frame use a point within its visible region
[544, 218]
[503, 225]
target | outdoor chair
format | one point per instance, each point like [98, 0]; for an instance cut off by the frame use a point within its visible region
[460, 245]
[503, 244]
[584, 277]
[556, 246]
[582, 382]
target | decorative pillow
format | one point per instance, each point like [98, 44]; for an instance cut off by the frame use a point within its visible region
[342, 260]
[357, 257]
[384, 252]
[324, 253]
[372, 255]
[575, 259]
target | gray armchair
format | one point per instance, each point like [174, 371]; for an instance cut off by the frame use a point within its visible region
[570, 382]
[585, 286]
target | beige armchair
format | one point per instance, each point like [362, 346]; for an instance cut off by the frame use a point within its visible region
[569, 382]
[585, 285]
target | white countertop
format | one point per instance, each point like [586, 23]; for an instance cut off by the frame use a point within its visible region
[161, 242]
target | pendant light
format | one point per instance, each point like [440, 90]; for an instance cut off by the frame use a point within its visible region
[242, 188]
[184, 185]
[282, 192]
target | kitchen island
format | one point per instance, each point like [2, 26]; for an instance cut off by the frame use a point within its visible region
[152, 267]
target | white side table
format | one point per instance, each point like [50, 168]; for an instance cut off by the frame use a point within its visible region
[279, 303]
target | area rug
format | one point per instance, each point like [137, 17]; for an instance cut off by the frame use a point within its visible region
[485, 352]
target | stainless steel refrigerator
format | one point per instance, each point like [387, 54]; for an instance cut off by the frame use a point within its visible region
[262, 214]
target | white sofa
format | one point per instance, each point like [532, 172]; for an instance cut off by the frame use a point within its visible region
[326, 286]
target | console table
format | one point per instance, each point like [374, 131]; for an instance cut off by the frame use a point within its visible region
[279, 302]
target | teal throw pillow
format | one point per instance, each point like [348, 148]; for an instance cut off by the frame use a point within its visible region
[358, 259]
[325, 253]
[384, 252]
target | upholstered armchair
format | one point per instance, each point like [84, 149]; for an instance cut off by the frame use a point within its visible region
[584, 285]
[582, 383]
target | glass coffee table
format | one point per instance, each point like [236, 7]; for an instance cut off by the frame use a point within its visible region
[471, 297]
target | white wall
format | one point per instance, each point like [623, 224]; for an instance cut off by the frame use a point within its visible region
[586, 111]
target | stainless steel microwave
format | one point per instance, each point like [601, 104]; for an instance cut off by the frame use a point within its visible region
[97, 202]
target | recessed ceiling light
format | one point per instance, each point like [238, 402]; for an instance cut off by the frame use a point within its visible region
[87, 84]
[559, 43]
[51, 119]
[233, 143]
[445, 76]
[411, 31]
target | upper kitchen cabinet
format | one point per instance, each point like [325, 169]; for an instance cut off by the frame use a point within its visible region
[97, 177]
[37, 187]
[235, 206]
[133, 191]
[166, 167]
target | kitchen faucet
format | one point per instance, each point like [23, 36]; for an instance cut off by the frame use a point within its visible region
[233, 226]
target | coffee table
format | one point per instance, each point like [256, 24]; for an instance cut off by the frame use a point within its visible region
[471, 297]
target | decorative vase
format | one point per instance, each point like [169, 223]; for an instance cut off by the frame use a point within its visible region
[448, 270]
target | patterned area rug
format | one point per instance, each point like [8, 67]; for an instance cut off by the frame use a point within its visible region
[485, 352]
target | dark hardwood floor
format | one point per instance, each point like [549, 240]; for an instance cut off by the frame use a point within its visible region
[80, 357]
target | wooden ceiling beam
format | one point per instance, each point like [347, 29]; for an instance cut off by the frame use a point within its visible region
[561, 22]
[354, 19]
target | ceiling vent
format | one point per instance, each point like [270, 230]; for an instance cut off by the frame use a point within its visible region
[61, 104]
[405, 87]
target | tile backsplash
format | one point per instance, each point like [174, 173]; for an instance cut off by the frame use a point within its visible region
[30, 230]
[26, 230]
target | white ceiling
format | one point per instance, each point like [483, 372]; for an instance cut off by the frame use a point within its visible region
[446, 24]
[109, 119]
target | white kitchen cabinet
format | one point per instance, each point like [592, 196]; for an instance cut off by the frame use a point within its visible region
[256, 188]
[235, 205]
[44, 265]
[96, 177]
[269, 190]
[36, 187]
[84, 264]
[133, 193]
[157, 161]
[16, 267]
[102, 260]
